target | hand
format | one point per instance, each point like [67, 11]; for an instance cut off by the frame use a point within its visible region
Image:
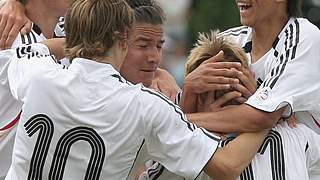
[165, 83]
[248, 85]
[12, 20]
[292, 121]
[212, 75]
[208, 103]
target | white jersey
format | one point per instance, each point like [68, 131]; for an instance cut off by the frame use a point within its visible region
[286, 154]
[10, 107]
[88, 122]
[288, 74]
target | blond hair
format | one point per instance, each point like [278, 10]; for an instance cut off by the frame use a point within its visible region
[93, 26]
[209, 45]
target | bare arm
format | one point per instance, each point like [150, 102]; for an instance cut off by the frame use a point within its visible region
[165, 83]
[229, 161]
[55, 46]
[242, 118]
[12, 20]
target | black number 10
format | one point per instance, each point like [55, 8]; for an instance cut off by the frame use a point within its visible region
[44, 125]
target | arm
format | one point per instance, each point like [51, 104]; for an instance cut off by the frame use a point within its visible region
[165, 83]
[229, 161]
[242, 118]
[55, 46]
[12, 20]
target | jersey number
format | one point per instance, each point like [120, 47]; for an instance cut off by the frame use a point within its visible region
[44, 125]
[274, 142]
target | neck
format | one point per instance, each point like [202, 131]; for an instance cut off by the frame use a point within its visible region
[115, 57]
[43, 17]
[264, 35]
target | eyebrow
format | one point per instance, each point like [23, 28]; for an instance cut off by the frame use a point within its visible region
[142, 38]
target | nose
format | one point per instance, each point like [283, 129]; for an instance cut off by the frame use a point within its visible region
[154, 55]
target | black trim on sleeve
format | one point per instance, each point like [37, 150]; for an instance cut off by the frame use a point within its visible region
[170, 103]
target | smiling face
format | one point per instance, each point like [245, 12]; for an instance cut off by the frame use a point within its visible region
[144, 53]
[255, 12]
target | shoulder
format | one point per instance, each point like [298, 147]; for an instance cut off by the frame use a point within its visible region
[236, 31]
[307, 30]
[240, 35]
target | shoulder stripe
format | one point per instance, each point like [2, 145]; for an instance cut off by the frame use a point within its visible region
[176, 108]
[235, 30]
[236, 33]
[23, 40]
[34, 37]
[291, 43]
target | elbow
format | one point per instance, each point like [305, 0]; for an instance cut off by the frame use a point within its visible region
[225, 169]
[229, 171]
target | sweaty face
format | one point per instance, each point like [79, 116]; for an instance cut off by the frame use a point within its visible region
[255, 12]
[144, 53]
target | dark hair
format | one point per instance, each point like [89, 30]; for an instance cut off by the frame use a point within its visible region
[147, 11]
[294, 8]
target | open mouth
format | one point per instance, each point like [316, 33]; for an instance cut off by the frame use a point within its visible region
[244, 6]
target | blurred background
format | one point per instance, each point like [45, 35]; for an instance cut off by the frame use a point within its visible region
[185, 18]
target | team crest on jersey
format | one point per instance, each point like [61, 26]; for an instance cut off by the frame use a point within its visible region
[264, 94]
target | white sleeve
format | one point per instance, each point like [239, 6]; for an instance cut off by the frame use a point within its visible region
[177, 144]
[28, 61]
[294, 80]
[5, 57]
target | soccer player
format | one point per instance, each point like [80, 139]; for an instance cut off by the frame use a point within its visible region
[283, 54]
[96, 125]
[43, 27]
[286, 146]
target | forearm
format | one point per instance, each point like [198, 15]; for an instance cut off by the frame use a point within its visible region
[55, 46]
[242, 118]
[229, 161]
[188, 102]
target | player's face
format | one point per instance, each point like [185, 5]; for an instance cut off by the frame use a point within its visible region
[255, 12]
[144, 53]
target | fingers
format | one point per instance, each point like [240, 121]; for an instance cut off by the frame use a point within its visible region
[11, 35]
[292, 122]
[3, 24]
[26, 28]
[240, 100]
[215, 58]
[226, 98]
[242, 89]
[248, 80]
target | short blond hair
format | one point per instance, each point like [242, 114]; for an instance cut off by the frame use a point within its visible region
[210, 44]
[93, 26]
